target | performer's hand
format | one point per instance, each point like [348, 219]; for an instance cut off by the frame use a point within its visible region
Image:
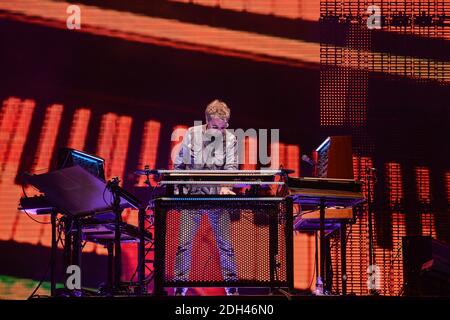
[225, 191]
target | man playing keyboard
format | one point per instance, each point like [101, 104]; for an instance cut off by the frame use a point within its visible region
[207, 147]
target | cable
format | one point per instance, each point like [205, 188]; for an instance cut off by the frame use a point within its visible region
[46, 271]
[29, 216]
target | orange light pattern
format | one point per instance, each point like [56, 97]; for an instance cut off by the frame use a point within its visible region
[424, 198]
[78, 132]
[393, 272]
[15, 119]
[288, 156]
[109, 146]
[47, 138]
[149, 149]
[221, 41]
[276, 155]
[389, 260]
[304, 266]
[394, 184]
[113, 143]
[357, 246]
[389, 8]
[332, 97]
[395, 281]
[113, 146]
[304, 244]
[25, 227]
[292, 157]
[423, 184]
[357, 57]
[293, 9]
[428, 224]
[344, 78]
[343, 103]
[170, 32]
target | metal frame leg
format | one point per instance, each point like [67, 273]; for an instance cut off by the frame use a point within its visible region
[343, 233]
[323, 250]
[53, 256]
[141, 251]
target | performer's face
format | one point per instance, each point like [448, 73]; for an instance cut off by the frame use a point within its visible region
[216, 124]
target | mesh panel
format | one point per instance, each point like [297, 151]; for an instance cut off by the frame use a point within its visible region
[222, 243]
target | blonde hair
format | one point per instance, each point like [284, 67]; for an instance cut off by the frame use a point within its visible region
[217, 109]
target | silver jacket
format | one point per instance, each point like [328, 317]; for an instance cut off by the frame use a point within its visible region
[200, 150]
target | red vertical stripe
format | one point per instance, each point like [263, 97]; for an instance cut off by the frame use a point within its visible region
[149, 149]
[394, 184]
[26, 228]
[79, 129]
[15, 118]
[422, 175]
[293, 159]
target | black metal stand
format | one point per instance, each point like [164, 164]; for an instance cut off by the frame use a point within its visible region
[72, 248]
[113, 186]
[141, 251]
[289, 233]
[160, 235]
[110, 275]
[322, 243]
[324, 263]
[141, 246]
[316, 255]
[53, 255]
[274, 252]
[76, 243]
[67, 245]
